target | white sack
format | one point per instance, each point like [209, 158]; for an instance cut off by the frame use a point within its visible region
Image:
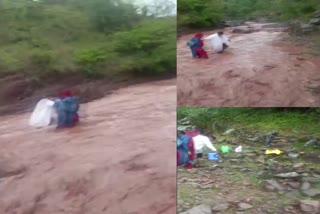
[217, 42]
[42, 114]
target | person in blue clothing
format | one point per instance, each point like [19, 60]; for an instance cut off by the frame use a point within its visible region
[185, 151]
[196, 46]
[67, 107]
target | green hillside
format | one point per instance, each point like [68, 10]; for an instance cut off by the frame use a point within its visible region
[96, 38]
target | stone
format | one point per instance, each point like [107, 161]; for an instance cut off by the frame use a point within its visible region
[311, 179]
[307, 28]
[305, 186]
[244, 206]
[242, 30]
[311, 142]
[294, 185]
[275, 184]
[233, 23]
[316, 14]
[287, 175]
[293, 155]
[201, 209]
[275, 25]
[254, 139]
[315, 21]
[221, 207]
[310, 206]
[229, 131]
[298, 165]
[312, 192]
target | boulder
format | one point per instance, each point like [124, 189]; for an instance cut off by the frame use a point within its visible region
[312, 192]
[201, 209]
[221, 207]
[274, 184]
[310, 206]
[315, 21]
[306, 28]
[233, 23]
[244, 206]
[243, 30]
[316, 14]
[288, 175]
[305, 186]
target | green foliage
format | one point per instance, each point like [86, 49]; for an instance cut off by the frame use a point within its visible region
[291, 120]
[202, 14]
[97, 38]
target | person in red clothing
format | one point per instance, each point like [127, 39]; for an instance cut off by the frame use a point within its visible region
[200, 51]
[185, 151]
[196, 46]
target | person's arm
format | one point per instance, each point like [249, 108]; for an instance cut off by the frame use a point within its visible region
[209, 144]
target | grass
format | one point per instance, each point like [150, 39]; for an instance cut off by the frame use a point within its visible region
[294, 122]
[91, 38]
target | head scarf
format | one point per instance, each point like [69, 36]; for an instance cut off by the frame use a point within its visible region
[199, 35]
[65, 93]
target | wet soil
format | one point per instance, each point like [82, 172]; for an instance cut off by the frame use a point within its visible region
[120, 159]
[260, 69]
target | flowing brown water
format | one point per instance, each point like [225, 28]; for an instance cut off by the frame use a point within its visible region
[121, 159]
[259, 69]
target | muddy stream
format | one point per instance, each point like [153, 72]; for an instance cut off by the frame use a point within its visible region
[119, 160]
[262, 69]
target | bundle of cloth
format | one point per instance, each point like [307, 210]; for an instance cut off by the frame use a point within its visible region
[62, 110]
[219, 42]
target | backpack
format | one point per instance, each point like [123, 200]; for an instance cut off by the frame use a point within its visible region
[191, 43]
[183, 143]
[71, 104]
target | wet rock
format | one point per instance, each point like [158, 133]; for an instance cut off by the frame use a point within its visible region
[242, 30]
[294, 185]
[275, 25]
[201, 209]
[229, 131]
[261, 159]
[244, 206]
[275, 184]
[254, 139]
[221, 207]
[306, 28]
[312, 192]
[316, 14]
[310, 206]
[293, 155]
[233, 23]
[311, 179]
[305, 174]
[287, 175]
[298, 165]
[311, 142]
[315, 21]
[305, 186]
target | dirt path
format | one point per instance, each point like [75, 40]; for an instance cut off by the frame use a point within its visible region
[119, 160]
[260, 69]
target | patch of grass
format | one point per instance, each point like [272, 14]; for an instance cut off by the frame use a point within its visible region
[97, 38]
[286, 121]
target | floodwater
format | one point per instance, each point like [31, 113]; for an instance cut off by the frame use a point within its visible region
[121, 159]
[260, 69]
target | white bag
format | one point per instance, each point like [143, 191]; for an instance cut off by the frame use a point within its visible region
[238, 149]
[42, 114]
[217, 41]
